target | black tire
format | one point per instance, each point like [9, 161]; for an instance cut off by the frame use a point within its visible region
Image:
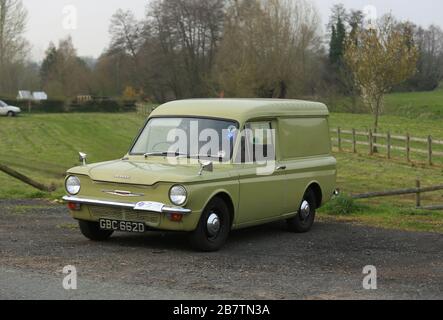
[92, 231]
[201, 239]
[303, 223]
[11, 114]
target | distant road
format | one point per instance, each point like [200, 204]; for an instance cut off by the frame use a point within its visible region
[17, 284]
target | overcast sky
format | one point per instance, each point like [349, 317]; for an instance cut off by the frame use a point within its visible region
[48, 20]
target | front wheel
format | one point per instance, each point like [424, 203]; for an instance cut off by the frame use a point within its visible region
[11, 114]
[92, 231]
[304, 220]
[214, 227]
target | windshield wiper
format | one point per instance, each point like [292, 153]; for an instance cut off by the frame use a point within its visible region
[163, 154]
[198, 156]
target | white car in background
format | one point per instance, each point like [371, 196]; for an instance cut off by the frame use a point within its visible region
[10, 111]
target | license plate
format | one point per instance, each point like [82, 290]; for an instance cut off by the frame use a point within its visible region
[125, 226]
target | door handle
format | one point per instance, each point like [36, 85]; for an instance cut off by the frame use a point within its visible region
[281, 168]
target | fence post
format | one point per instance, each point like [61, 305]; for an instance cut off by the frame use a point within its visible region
[430, 150]
[408, 147]
[354, 141]
[418, 195]
[388, 141]
[371, 143]
[339, 139]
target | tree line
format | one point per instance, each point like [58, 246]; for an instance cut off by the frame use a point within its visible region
[227, 48]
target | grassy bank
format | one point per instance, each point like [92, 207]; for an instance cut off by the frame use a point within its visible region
[412, 105]
[45, 146]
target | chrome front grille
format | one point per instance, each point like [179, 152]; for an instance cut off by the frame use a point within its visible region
[98, 212]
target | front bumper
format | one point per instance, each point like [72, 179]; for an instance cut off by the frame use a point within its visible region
[139, 206]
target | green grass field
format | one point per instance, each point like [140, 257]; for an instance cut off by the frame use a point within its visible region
[397, 125]
[413, 105]
[43, 146]
[418, 105]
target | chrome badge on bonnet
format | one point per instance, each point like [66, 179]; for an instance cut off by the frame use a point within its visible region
[123, 193]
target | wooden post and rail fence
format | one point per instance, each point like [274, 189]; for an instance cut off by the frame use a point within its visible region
[418, 191]
[429, 144]
[145, 109]
[26, 180]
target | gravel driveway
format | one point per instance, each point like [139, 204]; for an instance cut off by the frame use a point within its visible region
[38, 239]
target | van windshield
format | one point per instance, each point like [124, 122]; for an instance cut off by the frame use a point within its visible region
[190, 137]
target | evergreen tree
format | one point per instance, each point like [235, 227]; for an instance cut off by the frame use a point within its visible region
[332, 45]
[338, 37]
[49, 61]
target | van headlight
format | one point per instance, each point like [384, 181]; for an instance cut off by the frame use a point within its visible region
[72, 185]
[178, 195]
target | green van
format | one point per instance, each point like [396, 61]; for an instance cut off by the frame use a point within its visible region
[268, 160]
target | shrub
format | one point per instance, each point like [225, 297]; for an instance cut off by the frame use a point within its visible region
[343, 205]
[49, 106]
[96, 106]
[129, 106]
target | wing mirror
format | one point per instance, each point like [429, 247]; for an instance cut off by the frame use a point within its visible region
[206, 166]
[82, 158]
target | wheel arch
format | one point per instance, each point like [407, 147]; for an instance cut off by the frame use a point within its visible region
[318, 193]
[227, 198]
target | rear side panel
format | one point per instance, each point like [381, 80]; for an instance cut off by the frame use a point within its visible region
[304, 137]
[305, 150]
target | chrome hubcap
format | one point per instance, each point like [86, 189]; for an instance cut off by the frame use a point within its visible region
[305, 210]
[213, 225]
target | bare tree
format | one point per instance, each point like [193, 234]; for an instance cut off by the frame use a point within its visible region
[268, 48]
[127, 39]
[187, 33]
[430, 63]
[112, 73]
[126, 33]
[172, 50]
[13, 46]
[379, 59]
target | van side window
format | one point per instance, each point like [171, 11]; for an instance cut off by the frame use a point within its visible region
[259, 144]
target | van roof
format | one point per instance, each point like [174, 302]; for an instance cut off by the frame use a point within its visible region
[241, 110]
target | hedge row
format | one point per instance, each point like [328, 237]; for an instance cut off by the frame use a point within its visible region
[60, 106]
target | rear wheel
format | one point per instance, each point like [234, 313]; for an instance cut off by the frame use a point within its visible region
[214, 227]
[92, 231]
[304, 220]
